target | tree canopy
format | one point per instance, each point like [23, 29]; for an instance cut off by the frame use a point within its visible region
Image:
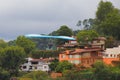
[3, 44]
[62, 66]
[86, 23]
[37, 75]
[11, 58]
[4, 74]
[108, 20]
[103, 10]
[62, 31]
[53, 64]
[85, 36]
[25, 43]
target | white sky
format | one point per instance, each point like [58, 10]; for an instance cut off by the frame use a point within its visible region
[19, 17]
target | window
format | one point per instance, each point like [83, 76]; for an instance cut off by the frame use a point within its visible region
[40, 66]
[86, 55]
[114, 55]
[106, 55]
[70, 56]
[30, 67]
[45, 67]
[76, 61]
[63, 56]
[24, 67]
[98, 41]
[34, 62]
[35, 67]
[111, 55]
[71, 61]
[76, 56]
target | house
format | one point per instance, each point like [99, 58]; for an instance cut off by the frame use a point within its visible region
[32, 64]
[85, 57]
[111, 54]
[70, 44]
[99, 43]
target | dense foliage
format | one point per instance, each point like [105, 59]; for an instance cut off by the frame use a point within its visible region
[108, 20]
[37, 75]
[62, 31]
[3, 44]
[100, 71]
[26, 43]
[44, 44]
[11, 58]
[106, 23]
[53, 64]
[64, 65]
[4, 74]
[85, 36]
[45, 53]
[103, 10]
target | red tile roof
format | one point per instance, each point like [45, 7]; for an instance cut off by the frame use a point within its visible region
[42, 59]
[83, 50]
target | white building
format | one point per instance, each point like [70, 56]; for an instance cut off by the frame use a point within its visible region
[35, 65]
[112, 52]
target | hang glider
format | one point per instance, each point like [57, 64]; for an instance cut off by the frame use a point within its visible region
[47, 36]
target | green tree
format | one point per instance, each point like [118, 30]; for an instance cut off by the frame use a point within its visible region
[75, 32]
[62, 66]
[12, 43]
[45, 53]
[103, 10]
[53, 64]
[110, 42]
[26, 43]
[11, 58]
[54, 33]
[78, 75]
[41, 44]
[3, 44]
[63, 31]
[88, 23]
[99, 71]
[37, 75]
[85, 36]
[79, 23]
[102, 71]
[108, 20]
[110, 26]
[115, 73]
[4, 75]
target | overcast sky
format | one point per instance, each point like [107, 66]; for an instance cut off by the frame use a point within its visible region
[19, 17]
